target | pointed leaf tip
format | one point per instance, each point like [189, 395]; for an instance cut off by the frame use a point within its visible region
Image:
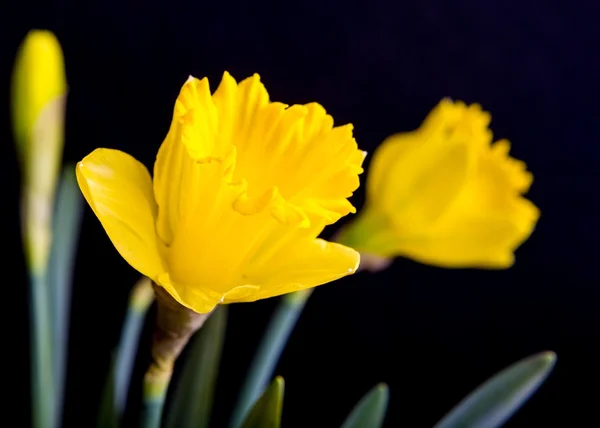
[382, 386]
[549, 356]
[279, 383]
[370, 410]
[266, 412]
[496, 400]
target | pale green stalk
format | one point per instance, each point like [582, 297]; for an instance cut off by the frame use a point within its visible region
[42, 385]
[174, 326]
[152, 410]
[192, 394]
[67, 219]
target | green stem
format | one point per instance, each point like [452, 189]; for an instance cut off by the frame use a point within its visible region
[175, 324]
[42, 388]
[261, 369]
[152, 413]
[156, 384]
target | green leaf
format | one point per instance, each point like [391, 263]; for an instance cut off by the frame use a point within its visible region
[274, 340]
[495, 401]
[43, 410]
[65, 233]
[192, 396]
[140, 299]
[107, 417]
[266, 412]
[370, 410]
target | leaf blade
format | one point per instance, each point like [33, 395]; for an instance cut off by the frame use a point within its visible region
[140, 299]
[270, 349]
[67, 217]
[370, 410]
[266, 412]
[107, 416]
[497, 399]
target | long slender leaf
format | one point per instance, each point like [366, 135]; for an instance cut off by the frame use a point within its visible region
[266, 412]
[276, 336]
[496, 400]
[118, 377]
[370, 410]
[191, 401]
[42, 379]
[65, 233]
[107, 417]
[141, 297]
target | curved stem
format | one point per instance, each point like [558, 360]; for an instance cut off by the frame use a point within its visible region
[175, 324]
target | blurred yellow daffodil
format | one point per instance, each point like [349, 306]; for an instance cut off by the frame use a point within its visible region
[242, 187]
[39, 90]
[445, 195]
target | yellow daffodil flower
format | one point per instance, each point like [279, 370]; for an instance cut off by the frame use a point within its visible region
[242, 187]
[39, 89]
[445, 195]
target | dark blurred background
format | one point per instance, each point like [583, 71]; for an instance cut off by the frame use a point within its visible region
[432, 334]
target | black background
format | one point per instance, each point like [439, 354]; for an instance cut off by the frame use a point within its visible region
[431, 334]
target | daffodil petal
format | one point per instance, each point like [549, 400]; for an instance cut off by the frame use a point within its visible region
[391, 156]
[199, 299]
[510, 173]
[488, 221]
[302, 264]
[429, 165]
[435, 190]
[118, 188]
[252, 96]
[425, 180]
[494, 194]
[383, 166]
[242, 293]
[167, 171]
[197, 117]
[484, 242]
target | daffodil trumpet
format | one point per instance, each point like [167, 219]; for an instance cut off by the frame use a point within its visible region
[242, 188]
[445, 194]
